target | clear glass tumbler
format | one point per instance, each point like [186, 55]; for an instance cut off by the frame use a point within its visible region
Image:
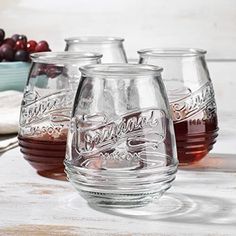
[121, 146]
[46, 108]
[111, 48]
[191, 97]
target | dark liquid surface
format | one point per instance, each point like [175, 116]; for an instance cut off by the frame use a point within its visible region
[45, 154]
[195, 137]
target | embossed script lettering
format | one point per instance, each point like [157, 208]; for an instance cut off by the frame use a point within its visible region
[59, 103]
[132, 130]
[199, 100]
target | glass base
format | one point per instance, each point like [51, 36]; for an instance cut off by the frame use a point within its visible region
[120, 189]
[119, 200]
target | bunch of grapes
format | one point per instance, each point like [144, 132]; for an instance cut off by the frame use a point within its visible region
[17, 48]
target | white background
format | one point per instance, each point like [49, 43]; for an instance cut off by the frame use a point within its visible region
[207, 24]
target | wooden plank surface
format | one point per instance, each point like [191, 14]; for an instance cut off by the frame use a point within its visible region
[201, 202]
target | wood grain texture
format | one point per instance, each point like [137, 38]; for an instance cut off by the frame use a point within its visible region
[201, 202]
[54, 230]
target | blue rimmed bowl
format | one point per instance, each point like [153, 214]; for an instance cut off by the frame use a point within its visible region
[13, 75]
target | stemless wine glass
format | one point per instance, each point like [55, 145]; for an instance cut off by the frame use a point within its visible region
[46, 108]
[111, 48]
[191, 97]
[121, 147]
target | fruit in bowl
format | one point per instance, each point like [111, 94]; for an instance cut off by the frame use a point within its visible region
[15, 59]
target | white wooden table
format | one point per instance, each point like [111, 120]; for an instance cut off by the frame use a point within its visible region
[202, 201]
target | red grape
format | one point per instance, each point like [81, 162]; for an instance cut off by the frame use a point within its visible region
[15, 37]
[22, 37]
[17, 48]
[53, 71]
[31, 46]
[20, 44]
[21, 55]
[2, 35]
[9, 41]
[7, 53]
[42, 46]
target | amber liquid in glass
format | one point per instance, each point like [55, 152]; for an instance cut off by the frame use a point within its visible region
[195, 137]
[46, 154]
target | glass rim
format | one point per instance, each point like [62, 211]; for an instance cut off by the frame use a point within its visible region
[63, 57]
[120, 69]
[171, 52]
[93, 39]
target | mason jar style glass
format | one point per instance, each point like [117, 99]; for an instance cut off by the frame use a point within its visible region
[46, 108]
[111, 48]
[121, 146]
[191, 97]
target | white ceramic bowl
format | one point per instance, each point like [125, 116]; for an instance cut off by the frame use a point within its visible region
[13, 75]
